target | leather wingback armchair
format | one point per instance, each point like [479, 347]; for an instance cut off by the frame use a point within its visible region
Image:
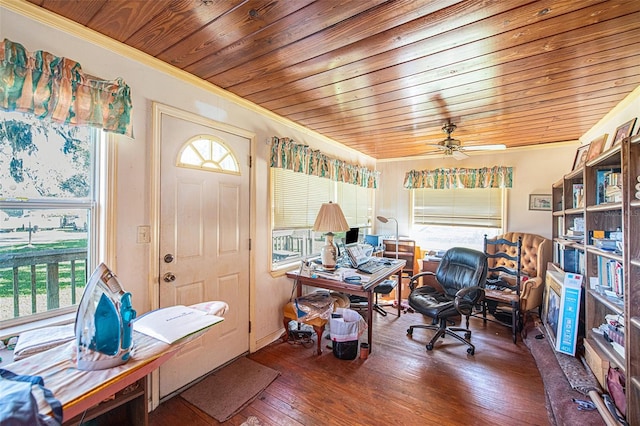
[536, 253]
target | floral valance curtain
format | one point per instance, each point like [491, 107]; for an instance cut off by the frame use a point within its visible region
[56, 88]
[494, 177]
[286, 154]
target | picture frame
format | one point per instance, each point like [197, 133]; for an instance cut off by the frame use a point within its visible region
[539, 201]
[596, 147]
[551, 308]
[581, 156]
[623, 131]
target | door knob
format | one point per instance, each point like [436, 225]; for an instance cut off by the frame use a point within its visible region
[168, 258]
[168, 277]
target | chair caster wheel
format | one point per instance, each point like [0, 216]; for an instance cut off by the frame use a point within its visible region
[471, 351]
[410, 331]
[429, 346]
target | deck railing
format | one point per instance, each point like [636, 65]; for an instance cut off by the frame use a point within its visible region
[16, 264]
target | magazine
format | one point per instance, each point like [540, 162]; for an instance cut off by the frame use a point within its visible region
[173, 323]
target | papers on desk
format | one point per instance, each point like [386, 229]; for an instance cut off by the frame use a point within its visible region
[338, 275]
[173, 323]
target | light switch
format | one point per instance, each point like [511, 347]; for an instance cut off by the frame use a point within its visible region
[144, 234]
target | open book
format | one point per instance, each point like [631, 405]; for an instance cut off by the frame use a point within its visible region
[173, 323]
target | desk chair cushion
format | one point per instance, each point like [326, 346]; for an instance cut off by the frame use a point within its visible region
[430, 303]
[385, 287]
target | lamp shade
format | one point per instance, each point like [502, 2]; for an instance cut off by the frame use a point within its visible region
[330, 219]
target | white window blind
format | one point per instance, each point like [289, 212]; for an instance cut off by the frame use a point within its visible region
[297, 198]
[356, 203]
[478, 207]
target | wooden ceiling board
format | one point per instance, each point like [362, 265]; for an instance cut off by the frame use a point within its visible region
[248, 18]
[81, 15]
[383, 76]
[119, 19]
[560, 63]
[369, 23]
[457, 96]
[269, 42]
[449, 64]
[469, 42]
[176, 22]
[377, 51]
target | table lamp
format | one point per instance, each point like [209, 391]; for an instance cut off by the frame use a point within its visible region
[387, 219]
[330, 219]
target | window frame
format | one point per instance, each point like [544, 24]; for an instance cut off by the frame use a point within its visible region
[100, 240]
[316, 238]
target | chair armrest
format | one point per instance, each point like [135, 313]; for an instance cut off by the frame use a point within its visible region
[414, 279]
[531, 293]
[466, 298]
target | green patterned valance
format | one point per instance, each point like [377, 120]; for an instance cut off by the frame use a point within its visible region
[494, 177]
[57, 89]
[286, 154]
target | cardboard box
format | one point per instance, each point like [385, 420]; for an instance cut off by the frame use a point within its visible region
[596, 362]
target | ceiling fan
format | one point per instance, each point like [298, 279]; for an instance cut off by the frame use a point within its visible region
[451, 146]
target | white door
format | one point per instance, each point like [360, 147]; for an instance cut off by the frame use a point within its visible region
[204, 239]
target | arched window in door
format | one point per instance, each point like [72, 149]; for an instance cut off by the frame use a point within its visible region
[206, 152]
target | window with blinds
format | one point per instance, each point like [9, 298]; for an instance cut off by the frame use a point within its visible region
[296, 200]
[458, 207]
[445, 218]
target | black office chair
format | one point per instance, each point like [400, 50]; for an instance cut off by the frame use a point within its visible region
[462, 273]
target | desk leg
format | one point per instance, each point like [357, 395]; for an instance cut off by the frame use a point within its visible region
[370, 320]
[399, 293]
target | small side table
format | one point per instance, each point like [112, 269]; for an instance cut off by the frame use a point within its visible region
[290, 314]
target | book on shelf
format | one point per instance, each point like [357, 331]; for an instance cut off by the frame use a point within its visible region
[610, 277]
[577, 191]
[608, 178]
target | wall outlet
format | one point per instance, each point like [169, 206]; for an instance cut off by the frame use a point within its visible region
[144, 234]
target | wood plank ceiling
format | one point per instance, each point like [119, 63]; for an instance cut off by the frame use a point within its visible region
[384, 76]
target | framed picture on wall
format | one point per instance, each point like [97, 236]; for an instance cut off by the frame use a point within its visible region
[551, 308]
[539, 201]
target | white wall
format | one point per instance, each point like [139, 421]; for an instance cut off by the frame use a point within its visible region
[534, 171]
[133, 162]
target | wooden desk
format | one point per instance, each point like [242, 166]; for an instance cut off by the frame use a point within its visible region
[365, 290]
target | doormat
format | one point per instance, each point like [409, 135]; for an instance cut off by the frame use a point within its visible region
[227, 391]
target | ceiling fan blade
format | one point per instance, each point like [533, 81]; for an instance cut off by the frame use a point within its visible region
[495, 147]
[459, 155]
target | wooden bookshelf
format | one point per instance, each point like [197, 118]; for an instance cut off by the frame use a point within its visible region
[604, 215]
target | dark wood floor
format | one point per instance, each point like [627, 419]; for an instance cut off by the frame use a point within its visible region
[400, 383]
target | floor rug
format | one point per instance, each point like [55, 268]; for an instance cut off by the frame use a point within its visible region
[560, 393]
[227, 391]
